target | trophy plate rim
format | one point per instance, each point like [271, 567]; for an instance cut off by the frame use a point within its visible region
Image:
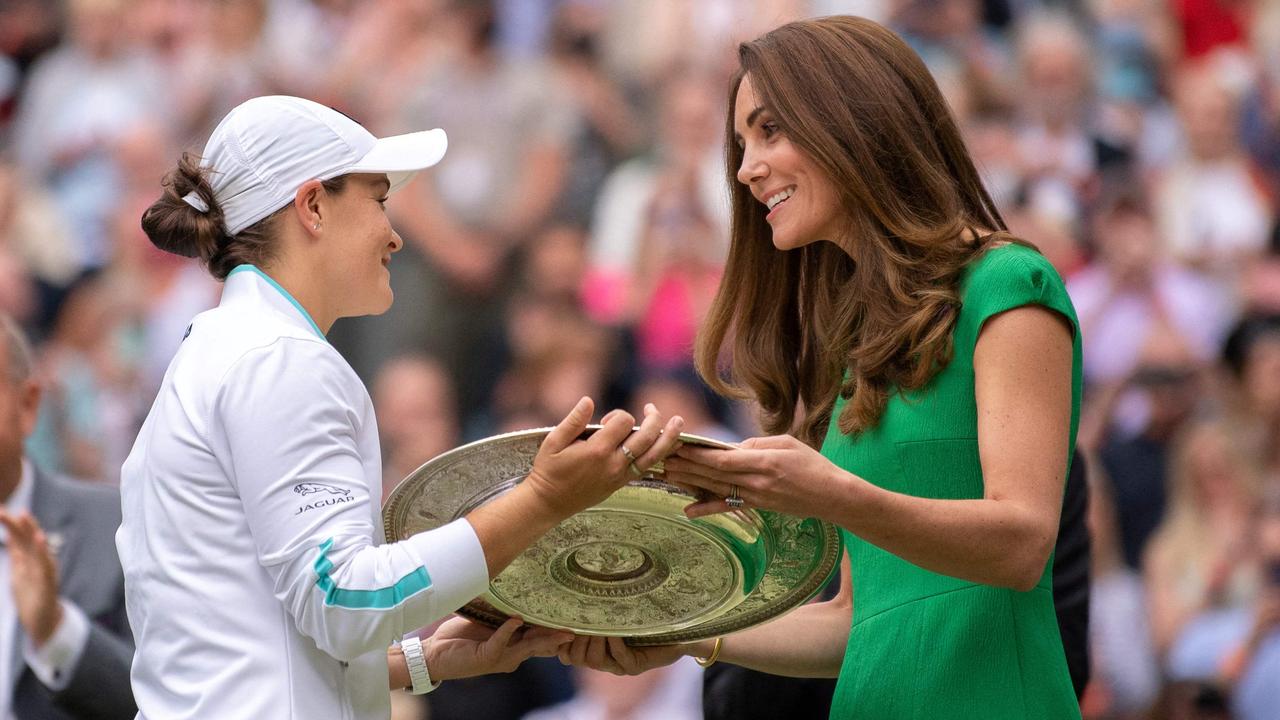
[801, 556]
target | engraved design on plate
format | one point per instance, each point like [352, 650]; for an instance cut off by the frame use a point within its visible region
[597, 554]
[609, 569]
[449, 486]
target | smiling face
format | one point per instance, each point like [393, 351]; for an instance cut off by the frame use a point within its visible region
[363, 242]
[801, 200]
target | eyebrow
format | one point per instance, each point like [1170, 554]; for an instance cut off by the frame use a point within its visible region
[751, 120]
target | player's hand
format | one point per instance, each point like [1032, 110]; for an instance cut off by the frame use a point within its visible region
[571, 474]
[462, 648]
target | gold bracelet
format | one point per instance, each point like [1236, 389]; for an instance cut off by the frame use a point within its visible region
[715, 654]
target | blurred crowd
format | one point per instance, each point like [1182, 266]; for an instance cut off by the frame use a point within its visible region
[575, 233]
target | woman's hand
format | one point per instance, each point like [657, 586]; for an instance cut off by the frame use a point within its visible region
[572, 475]
[569, 475]
[461, 648]
[777, 473]
[612, 655]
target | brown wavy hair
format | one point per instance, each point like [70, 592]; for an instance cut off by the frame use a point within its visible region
[875, 316]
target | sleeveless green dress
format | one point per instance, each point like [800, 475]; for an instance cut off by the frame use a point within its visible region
[928, 646]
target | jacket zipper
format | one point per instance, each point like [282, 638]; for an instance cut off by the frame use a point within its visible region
[347, 711]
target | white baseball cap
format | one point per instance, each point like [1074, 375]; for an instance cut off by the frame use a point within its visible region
[267, 147]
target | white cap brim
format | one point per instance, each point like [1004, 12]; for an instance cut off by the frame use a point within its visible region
[402, 156]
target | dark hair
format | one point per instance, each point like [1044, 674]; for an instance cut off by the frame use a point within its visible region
[861, 104]
[1246, 333]
[176, 227]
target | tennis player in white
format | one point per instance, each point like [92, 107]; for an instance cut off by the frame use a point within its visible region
[256, 586]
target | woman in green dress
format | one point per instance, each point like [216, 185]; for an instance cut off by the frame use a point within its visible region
[921, 370]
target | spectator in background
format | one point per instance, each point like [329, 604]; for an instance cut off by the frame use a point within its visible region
[1126, 678]
[300, 37]
[1163, 392]
[1134, 44]
[1252, 354]
[417, 415]
[80, 100]
[661, 232]
[555, 353]
[984, 112]
[64, 640]
[1211, 204]
[1260, 110]
[951, 32]
[1198, 560]
[93, 403]
[1055, 143]
[611, 129]
[1229, 651]
[645, 39]
[162, 28]
[27, 29]
[508, 157]
[361, 77]
[555, 263]
[681, 392]
[508, 147]
[1254, 665]
[36, 253]
[224, 62]
[1260, 282]
[1131, 288]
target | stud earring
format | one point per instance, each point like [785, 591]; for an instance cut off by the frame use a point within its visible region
[316, 226]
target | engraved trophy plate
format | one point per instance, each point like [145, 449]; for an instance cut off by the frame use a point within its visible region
[632, 566]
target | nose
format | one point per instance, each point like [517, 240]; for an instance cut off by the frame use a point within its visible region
[397, 242]
[752, 169]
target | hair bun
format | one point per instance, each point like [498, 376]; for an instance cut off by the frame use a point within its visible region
[177, 226]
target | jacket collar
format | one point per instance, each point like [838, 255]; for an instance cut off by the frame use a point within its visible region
[249, 284]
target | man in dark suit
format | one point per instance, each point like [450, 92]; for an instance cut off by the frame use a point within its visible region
[65, 645]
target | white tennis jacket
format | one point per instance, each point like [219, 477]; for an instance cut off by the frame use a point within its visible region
[255, 582]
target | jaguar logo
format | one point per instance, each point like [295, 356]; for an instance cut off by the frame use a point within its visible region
[311, 488]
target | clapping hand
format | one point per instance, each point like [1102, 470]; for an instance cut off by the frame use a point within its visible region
[34, 577]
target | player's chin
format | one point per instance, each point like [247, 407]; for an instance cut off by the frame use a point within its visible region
[378, 302]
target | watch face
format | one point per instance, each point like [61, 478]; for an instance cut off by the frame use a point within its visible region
[633, 566]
